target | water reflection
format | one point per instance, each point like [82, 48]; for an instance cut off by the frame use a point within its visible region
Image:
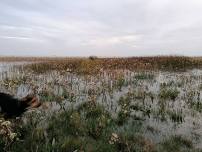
[167, 103]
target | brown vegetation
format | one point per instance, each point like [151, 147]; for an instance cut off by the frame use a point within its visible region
[89, 66]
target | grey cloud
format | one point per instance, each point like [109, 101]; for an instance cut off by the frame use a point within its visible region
[100, 27]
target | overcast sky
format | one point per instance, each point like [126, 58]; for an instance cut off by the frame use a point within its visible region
[100, 27]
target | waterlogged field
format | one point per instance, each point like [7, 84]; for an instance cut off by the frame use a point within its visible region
[94, 108]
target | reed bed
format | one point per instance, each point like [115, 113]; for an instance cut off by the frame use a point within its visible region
[95, 64]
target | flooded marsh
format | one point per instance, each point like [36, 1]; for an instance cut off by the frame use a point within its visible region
[115, 109]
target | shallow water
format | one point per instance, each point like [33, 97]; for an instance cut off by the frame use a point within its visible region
[107, 89]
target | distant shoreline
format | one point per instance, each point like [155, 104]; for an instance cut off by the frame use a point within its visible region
[35, 58]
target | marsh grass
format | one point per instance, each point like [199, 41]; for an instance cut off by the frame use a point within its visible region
[169, 93]
[95, 66]
[84, 129]
[110, 104]
[177, 143]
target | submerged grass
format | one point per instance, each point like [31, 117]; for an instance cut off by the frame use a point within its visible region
[177, 143]
[88, 128]
[169, 93]
[111, 103]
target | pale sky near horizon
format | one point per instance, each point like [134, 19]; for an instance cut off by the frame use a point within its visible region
[100, 27]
